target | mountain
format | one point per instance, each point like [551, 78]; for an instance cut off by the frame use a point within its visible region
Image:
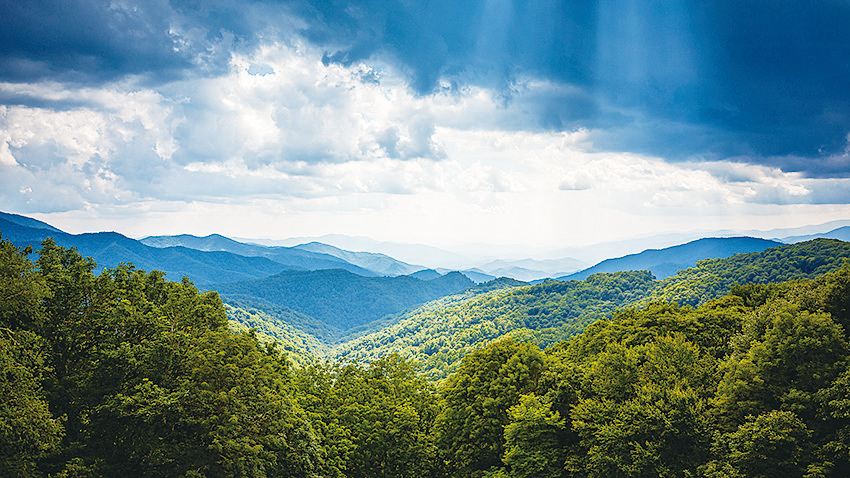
[477, 276]
[382, 264]
[409, 253]
[291, 257]
[469, 256]
[438, 335]
[841, 233]
[715, 277]
[473, 274]
[338, 298]
[109, 249]
[426, 274]
[213, 242]
[666, 262]
[27, 222]
[532, 269]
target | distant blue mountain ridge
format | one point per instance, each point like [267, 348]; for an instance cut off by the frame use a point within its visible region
[109, 249]
[666, 262]
[216, 259]
[841, 233]
[27, 222]
[293, 258]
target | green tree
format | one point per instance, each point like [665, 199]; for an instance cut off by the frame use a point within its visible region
[470, 428]
[771, 445]
[642, 411]
[533, 440]
[153, 383]
[375, 421]
[27, 428]
[784, 357]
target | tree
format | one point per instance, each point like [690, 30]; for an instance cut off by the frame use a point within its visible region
[771, 445]
[489, 381]
[27, 428]
[375, 421]
[783, 359]
[642, 411]
[533, 440]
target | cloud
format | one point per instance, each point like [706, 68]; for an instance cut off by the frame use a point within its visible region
[311, 128]
[687, 81]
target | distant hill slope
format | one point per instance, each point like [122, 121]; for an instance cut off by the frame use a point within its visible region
[109, 249]
[293, 258]
[666, 262]
[841, 233]
[477, 276]
[409, 253]
[714, 277]
[438, 336]
[380, 263]
[426, 274]
[339, 298]
[531, 269]
[27, 222]
[287, 327]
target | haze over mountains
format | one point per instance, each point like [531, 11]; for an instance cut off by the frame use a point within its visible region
[297, 277]
[320, 300]
[216, 258]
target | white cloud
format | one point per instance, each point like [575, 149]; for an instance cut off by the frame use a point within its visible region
[332, 150]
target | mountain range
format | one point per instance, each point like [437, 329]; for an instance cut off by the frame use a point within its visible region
[109, 249]
[320, 299]
[668, 261]
[439, 334]
[291, 257]
[841, 233]
[341, 299]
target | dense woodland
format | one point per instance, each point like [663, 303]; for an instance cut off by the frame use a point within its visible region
[125, 373]
[437, 335]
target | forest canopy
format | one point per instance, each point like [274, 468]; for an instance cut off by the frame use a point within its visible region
[126, 373]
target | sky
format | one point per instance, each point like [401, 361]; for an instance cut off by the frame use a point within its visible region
[539, 123]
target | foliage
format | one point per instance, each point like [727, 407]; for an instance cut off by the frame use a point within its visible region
[299, 346]
[477, 398]
[439, 335]
[147, 376]
[713, 278]
[376, 421]
[126, 373]
[340, 299]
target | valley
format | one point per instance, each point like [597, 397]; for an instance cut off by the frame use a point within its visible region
[282, 360]
[321, 302]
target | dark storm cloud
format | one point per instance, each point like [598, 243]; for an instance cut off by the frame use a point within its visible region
[748, 79]
[90, 41]
[754, 78]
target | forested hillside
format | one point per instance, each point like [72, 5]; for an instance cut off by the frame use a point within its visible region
[714, 277]
[666, 262]
[339, 299]
[125, 373]
[438, 336]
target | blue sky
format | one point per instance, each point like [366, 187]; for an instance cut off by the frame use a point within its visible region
[541, 123]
